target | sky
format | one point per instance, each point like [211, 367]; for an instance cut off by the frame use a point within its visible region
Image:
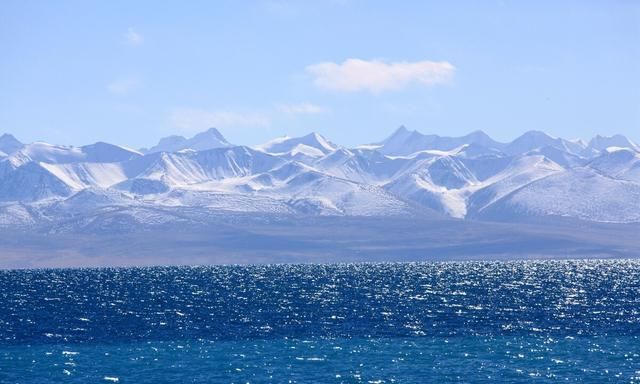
[77, 72]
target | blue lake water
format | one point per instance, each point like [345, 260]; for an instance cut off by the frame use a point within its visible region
[530, 321]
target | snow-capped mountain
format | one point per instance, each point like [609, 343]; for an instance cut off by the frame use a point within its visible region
[408, 174]
[618, 163]
[212, 138]
[600, 143]
[310, 146]
[533, 140]
[404, 142]
[58, 154]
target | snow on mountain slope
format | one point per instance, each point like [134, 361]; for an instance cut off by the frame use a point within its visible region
[364, 166]
[30, 182]
[289, 188]
[407, 174]
[559, 156]
[122, 219]
[312, 145]
[418, 188]
[15, 214]
[83, 175]
[601, 143]
[486, 166]
[520, 172]
[532, 140]
[192, 168]
[94, 153]
[144, 186]
[580, 193]
[474, 151]
[9, 144]
[440, 183]
[306, 151]
[404, 142]
[49, 153]
[219, 164]
[450, 173]
[210, 139]
[453, 184]
[90, 199]
[289, 170]
[224, 201]
[620, 163]
[317, 192]
[107, 153]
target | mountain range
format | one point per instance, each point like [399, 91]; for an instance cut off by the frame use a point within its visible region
[105, 189]
[409, 173]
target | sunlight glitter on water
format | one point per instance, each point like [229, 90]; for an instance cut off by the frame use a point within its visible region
[517, 321]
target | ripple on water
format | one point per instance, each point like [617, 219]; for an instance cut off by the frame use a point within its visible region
[518, 321]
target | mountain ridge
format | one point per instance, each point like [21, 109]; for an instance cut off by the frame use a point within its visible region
[471, 177]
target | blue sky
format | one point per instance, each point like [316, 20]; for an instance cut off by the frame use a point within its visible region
[76, 72]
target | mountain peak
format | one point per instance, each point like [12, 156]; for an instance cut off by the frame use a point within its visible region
[7, 136]
[9, 144]
[601, 143]
[320, 140]
[313, 135]
[478, 134]
[209, 139]
[534, 133]
[405, 142]
[399, 135]
[210, 133]
[401, 129]
[288, 144]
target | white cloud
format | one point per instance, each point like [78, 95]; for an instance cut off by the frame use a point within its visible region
[300, 109]
[132, 37]
[377, 76]
[123, 86]
[194, 119]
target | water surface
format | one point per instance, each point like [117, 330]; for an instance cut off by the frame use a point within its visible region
[540, 321]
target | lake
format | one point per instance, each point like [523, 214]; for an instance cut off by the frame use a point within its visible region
[520, 321]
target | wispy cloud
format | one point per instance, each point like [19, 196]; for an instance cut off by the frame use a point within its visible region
[132, 37]
[376, 76]
[300, 109]
[123, 86]
[194, 119]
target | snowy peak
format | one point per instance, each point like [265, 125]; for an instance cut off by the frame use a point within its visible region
[397, 143]
[601, 143]
[101, 152]
[533, 140]
[59, 154]
[619, 163]
[168, 144]
[313, 145]
[209, 139]
[9, 144]
[471, 176]
[400, 135]
[49, 153]
[404, 142]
